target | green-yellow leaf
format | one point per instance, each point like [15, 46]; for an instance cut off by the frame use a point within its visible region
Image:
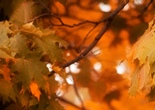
[5, 31]
[143, 56]
[23, 11]
[7, 90]
[143, 50]
[3, 54]
[18, 46]
[47, 46]
[30, 69]
[29, 28]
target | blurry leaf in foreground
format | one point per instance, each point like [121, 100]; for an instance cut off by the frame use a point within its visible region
[143, 56]
[29, 28]
[29, 69]
[3, 54]
[7, 90]
[23, 11]
[5, 31]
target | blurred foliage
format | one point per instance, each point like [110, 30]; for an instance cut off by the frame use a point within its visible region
[37, 32]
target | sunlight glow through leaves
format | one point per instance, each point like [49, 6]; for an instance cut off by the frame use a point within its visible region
[96, 51]
[104, 7]
[70, 80]
[74, 68]
[49, 66]
[121, 68]
[138, 2]
[97, 66]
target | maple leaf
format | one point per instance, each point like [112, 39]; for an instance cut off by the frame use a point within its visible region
[47, 46]
[31, 29]
[143, 50]
[4, 54]
[32, 40]
[29, 69]
[5, 31]
[18, 45]
[5, 71]
[143, 56]
[35, 89]
[24, 11]
[7, 90]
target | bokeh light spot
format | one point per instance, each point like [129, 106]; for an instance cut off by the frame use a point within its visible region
[97, 66]
[104, 7]
[121, 68]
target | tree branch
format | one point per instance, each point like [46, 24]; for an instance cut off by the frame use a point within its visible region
[73, 25]
[146, 7]
[78, 95]
[97, 38]
[79, 50]
[62, 23]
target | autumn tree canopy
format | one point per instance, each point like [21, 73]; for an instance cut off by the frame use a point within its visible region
[77, 54]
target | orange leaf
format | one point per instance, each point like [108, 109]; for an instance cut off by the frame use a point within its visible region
[5, 71]
[35, 90]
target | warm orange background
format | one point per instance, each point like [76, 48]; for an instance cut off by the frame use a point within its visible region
[104, 89]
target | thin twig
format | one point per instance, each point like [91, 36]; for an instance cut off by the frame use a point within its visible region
[79, 50]
[73, 25]
[97, 38]
[78, 95]
[37, 17]
[146, 7]
[62, 23]
[44, 5]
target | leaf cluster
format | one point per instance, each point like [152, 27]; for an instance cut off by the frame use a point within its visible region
[23, 72]
[143, 56]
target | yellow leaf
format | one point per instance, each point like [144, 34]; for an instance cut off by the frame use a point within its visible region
[143, 49]
[134, 83]
[143, 56]
[144, 77]
[35, 90]
[29, 28]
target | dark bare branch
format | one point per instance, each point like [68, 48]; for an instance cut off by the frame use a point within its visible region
[146, 7]
[44, 6]
[73, 25]
[79, 50]
[78, 95]
[97, 38]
